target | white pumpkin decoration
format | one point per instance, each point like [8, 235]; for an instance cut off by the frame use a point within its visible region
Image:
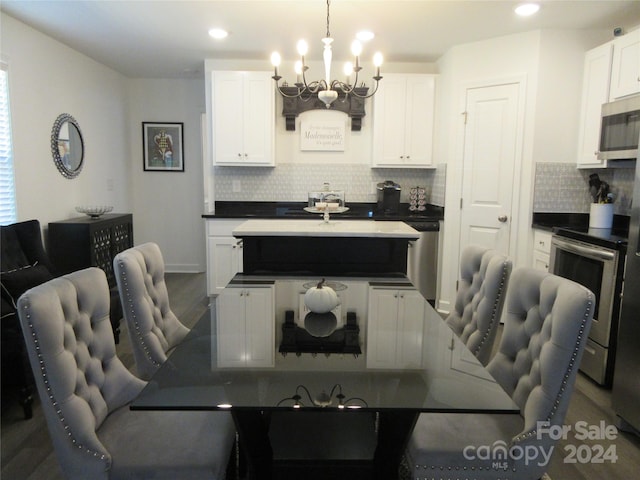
[321, 299]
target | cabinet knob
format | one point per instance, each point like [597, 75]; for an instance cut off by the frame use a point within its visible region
[502, 218]
[240, 155]
[408, 157]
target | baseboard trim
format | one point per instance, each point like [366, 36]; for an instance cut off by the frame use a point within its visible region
[183, 268]
[443, 307]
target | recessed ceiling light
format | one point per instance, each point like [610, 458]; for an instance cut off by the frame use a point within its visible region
[218, 33]
[365, 35]
[527, 9]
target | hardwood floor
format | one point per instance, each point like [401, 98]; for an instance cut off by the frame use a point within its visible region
[27, 453]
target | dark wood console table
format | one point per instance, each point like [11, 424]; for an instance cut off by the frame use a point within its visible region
[84, 242]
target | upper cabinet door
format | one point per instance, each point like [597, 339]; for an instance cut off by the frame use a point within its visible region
[421, 91]
[227, 115]
[595, 92]
[389, 120]
[242, 113]
[403, 113]
[259, 121]
[625, 74]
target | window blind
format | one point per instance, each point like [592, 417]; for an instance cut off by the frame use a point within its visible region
[7, 183]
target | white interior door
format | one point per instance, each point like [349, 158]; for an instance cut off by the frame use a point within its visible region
[490, 153]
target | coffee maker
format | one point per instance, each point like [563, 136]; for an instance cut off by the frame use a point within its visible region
[388, 197]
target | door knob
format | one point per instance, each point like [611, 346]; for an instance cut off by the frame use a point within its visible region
[502, 218]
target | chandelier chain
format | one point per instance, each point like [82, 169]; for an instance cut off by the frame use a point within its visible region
[328, 33]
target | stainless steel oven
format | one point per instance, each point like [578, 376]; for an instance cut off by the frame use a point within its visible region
[600, 269]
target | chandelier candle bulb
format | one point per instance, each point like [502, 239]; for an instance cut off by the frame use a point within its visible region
[275, 61]
[377, 61]
[302, 48]
[348, 70]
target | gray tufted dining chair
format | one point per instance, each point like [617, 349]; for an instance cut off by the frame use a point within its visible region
[547, 320]
[153, 328]
[484, 276]
[85, 389]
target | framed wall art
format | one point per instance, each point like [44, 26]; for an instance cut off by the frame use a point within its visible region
[162, 145]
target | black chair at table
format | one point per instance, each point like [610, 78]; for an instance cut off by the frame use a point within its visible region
[23, 264]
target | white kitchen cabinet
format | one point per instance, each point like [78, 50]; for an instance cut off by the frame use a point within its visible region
[242, 116]
[625, 71]
[403, 118]
[595, 92]
[541, 249]
[224, 254]
[245, 324]
[611, 71]
[395, 326]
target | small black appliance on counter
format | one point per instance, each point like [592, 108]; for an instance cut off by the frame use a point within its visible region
[389, 197]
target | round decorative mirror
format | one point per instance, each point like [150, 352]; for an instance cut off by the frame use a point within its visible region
[67, 146]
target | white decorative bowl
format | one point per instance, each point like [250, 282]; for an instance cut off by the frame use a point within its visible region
[94, 211]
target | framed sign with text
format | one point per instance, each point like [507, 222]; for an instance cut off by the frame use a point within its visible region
[322, 136]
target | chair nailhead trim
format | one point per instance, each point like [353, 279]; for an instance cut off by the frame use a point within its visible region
[53, 400]
[136, 324]
[495, 308]
[567, 373]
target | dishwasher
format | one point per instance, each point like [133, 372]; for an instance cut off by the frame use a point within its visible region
[422, 263]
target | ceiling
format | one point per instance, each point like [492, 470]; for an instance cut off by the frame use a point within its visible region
[168, 39]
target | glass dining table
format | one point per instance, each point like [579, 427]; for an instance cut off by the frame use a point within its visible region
[323, 395]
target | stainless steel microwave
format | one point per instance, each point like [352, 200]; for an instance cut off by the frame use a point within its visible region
[620, 129]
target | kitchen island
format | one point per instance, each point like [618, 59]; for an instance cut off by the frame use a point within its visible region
[337, 247]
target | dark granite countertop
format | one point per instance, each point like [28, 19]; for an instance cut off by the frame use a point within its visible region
[357, 211]
[549, 221]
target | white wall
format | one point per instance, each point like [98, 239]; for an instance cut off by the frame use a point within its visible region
[168, 205]
[561, 63]
[46, 78]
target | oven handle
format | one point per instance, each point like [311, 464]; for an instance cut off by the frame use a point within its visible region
[585, 251]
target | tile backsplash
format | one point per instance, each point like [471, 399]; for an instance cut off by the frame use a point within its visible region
[562, 188]
[291, 182]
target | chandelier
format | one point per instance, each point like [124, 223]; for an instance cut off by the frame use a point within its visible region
[326, 89]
